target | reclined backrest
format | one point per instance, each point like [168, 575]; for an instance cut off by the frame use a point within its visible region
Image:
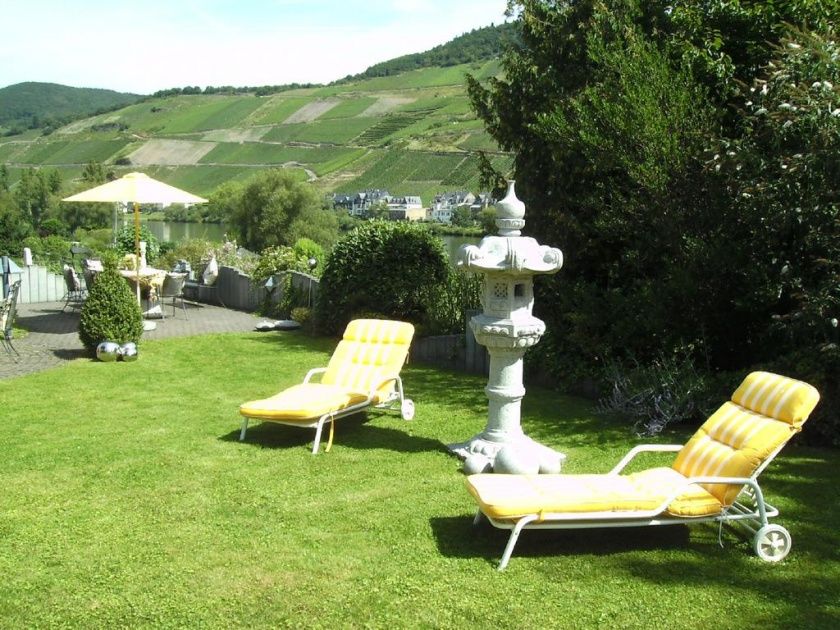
[370, 350]
[7, 310]
[71, 279]
[764, 413]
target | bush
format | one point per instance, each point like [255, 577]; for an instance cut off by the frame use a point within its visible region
[302, 315]
[308, 249]
[668, 391]
[383, 267]
[125, 242]
[111, 312]
[274, 260]
[195, 251]
[446, 303]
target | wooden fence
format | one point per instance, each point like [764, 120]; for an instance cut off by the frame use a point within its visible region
[39, 284]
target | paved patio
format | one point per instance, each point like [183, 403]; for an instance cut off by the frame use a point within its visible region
[54, 334]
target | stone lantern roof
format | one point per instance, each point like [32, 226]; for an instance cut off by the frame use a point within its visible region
[509, 252]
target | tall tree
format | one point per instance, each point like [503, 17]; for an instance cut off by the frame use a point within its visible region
[274, 208]
[614, 110]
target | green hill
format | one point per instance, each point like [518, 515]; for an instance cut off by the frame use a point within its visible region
[478, 45]
[32, 105]
[411, 133]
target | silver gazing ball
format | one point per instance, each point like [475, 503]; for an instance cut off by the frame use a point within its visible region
[128, 351]
[107, 351]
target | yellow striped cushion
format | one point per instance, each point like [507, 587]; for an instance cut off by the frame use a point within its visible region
[370, 351]
[777, 396]
[512, 496]
[738, 437]
[301, 403]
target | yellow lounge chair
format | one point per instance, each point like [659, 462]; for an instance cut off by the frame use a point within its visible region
[713, 477]
[364, 371]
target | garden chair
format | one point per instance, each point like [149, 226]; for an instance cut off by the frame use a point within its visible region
[8, 312]
[90, 269]
[713, 477]
[75, 295]
[364, 371]
[173, 289]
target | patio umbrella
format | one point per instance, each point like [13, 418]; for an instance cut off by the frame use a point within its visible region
[136, 188]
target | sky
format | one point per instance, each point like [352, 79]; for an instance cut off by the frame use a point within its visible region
[142, 46]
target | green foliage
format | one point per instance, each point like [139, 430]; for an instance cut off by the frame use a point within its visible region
[274, 208]
[446, 303]
[276, 259]
[50, 104]
[660, 394]
[309, 250]
[14, 226]
[50, 251]
[782, 177]
[110, 313]
[382, 267]
[126, 244]
[195, 251]
[34, 193]
[684, 159]
[302, 315]
[478, 45]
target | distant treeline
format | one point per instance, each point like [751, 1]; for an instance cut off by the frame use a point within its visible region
[262, 90]
[480, 44]
[48, 106]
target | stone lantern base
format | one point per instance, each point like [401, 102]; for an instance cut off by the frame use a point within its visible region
[515, 455]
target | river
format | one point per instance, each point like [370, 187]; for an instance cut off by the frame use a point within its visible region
[173, 232]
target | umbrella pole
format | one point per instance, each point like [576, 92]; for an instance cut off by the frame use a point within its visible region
[137, 250]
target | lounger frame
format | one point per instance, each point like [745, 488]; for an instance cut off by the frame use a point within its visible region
[770, 542]
[395, 401]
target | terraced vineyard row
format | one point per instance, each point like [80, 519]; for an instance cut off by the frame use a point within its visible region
[391, 124]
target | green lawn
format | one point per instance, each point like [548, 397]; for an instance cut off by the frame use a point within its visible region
[129, 502]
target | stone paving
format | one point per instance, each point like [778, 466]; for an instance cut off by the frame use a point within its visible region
[54, 334]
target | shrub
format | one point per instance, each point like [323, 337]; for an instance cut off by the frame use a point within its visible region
[302, 315]
[274, 260]
[308, 249]
[384, 267]
[446, 303]
[668, 391]
[111, 312]
[125, 242]
[195, 251]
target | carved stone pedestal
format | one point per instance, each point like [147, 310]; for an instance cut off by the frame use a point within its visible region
[507, 328]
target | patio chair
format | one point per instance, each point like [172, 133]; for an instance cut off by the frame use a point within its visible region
[364, 372]
[714, 477]
[173, 289]
[90, 269]
[8, 312]
[75, 294]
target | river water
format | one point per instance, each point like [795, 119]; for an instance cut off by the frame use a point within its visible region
[175, 232]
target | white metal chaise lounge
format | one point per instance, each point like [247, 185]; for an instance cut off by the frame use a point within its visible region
[714, 476]
[364, 371]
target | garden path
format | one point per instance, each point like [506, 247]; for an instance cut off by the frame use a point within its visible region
[53, 336]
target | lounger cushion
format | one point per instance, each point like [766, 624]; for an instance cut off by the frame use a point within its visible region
[765, 410]
[778, 397]
[370, 351]
[505, 497]
[302, 403]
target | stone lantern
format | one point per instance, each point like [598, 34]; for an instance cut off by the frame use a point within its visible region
[507, 327]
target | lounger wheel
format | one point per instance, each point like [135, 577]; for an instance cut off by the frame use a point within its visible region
[407, 409]
[772, 543]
